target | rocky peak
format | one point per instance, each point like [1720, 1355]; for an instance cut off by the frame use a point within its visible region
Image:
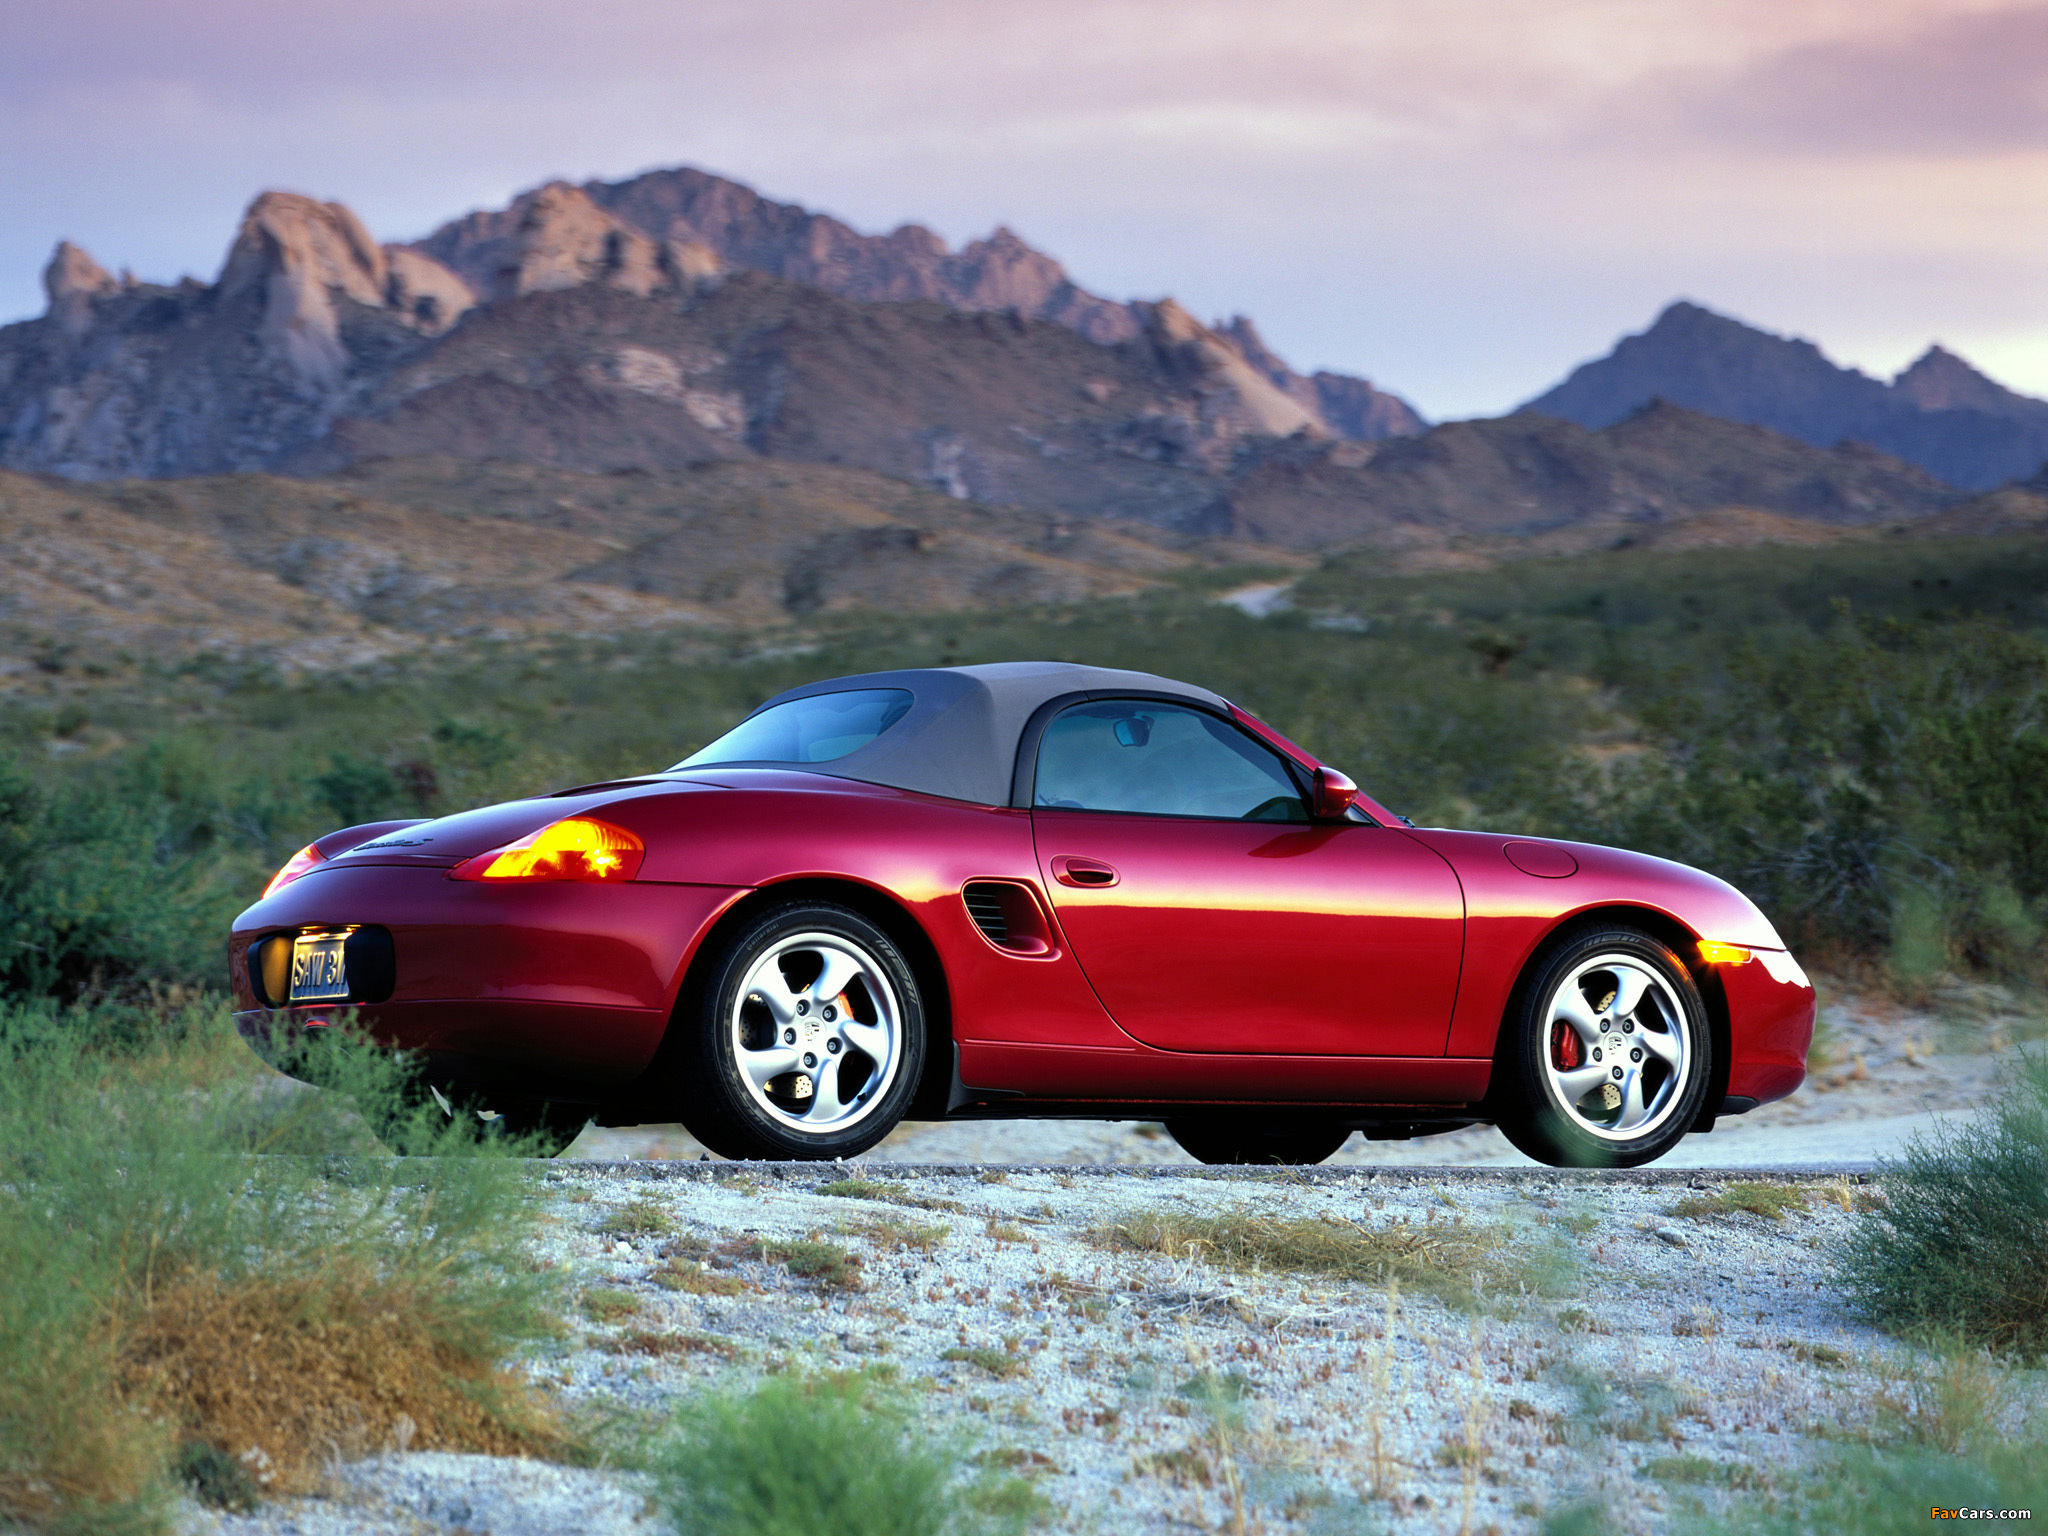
[564, 240]
[299, 256]
[322, 244]
[303, 258]
[1938, 380]
[73, 280]
[1240, 398]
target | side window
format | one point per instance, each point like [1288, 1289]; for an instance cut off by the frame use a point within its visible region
[1161, 760]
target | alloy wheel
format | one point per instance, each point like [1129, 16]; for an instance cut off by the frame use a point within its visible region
[1616, 1053]
[817, 1032]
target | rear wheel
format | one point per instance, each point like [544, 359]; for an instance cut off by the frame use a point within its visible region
[1217, 1140]
[807, 1037]
[1605, 1061]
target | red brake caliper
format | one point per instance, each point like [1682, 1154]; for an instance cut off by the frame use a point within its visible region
[1566, 1049]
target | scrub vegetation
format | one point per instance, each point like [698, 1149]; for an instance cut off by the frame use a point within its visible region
[1854, 735]
[171, 1295]
[836, 1452]
[1958, 1250]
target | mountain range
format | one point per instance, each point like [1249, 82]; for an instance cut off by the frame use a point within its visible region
[670, 400]
[1939, 413]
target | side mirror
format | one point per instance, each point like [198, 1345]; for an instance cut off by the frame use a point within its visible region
[1331, 795]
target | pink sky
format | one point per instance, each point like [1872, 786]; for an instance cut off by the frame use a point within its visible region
[1458, 198]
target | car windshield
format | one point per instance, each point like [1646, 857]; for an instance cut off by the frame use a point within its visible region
[818, 729]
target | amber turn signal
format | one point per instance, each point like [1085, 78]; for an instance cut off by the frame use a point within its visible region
[576, 849]
[294, 867]
[1715, 953]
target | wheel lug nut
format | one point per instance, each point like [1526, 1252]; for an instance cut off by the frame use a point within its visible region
[803, 1005]
[1635, 1055]
[1596, 1053]
[832, 1046]
[831, 1013]
[812, 1061]
[1628, 1026]
[789, 1037]
[1617, 1072]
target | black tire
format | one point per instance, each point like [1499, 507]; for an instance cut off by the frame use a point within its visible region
[1219, 1140]
[1538, 1066]
[721, 1012]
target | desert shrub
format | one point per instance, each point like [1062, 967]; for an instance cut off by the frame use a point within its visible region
[1959, 1245]
[799, 1454]
[1888, 1492]
[165, 1283]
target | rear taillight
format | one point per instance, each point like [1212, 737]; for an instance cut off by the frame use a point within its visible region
[576, 849]
[294, 867]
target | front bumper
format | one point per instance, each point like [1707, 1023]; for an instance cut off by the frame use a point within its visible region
[1771, 1009]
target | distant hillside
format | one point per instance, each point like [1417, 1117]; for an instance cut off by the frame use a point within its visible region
[1940, 413]
[1526, 475]
[410, 552]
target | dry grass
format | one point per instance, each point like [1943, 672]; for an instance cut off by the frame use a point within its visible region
[1452, 1261]
[669, 1345]
[1771, 1201]
[889, 1193]
[996, 1362]
[607, 1306]
[288, 1374]
[638, 1218]
[893, 1235]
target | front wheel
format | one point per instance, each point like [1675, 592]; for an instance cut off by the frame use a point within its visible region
[1605, 1058]
[1255, 1141]
[807, 1037]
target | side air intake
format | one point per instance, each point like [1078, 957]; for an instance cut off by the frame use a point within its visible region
[1009, 917]
[985, 905]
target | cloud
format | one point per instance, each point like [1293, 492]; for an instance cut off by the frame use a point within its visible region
[1969, 84]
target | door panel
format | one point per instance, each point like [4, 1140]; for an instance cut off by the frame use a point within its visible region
[1336, 938]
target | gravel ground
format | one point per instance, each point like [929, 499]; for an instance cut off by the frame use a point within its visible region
[1660, 1336]
[1666, 1354]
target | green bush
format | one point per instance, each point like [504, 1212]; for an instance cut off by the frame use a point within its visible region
[1959, 1247]
[800, 1454]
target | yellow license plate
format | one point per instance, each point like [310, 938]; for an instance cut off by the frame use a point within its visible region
[319, 968]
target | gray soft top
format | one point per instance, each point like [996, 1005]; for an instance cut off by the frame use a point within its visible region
[960, 738]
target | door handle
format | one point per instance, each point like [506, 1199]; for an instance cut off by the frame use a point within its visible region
[1089, 874]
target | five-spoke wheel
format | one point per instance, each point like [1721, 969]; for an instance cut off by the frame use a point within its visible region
[809, 1037]
[1606, 1060]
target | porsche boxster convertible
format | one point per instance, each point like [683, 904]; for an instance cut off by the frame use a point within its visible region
[1029, 889]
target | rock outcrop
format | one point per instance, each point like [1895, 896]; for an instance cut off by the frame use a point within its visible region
[735, 228]
[313, 340]
[74, 282]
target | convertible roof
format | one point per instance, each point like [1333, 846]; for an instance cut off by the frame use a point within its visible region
[960, 738]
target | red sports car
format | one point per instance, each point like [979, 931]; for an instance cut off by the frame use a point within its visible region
[1031, 889]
